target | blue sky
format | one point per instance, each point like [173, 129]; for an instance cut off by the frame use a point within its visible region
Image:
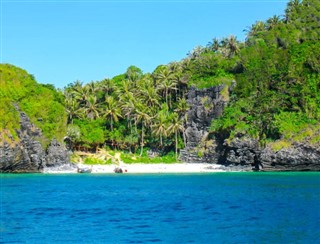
[62, 41]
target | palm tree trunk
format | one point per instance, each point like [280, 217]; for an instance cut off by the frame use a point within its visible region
[184, 137]
[176, 134]
[142, 134]
[166, 90]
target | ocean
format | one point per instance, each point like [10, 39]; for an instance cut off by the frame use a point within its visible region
[164, 208]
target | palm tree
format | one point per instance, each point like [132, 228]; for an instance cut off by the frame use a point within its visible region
[160, 126]
[181, 82]
[273, 21]
[149, 95]
[175, 126]
[126, 87]
[128, 107]
[196, 52]
[214, 45]
[106, 86]
[144, 118]
[112, 111]
[233, 45]
[81, 94]
[175, 67]
[166, 82]
[182, 107]
[92, 87]
[91, 108]
[72, 107]
[292, 10]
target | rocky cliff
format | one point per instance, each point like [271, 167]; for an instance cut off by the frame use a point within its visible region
[204, 105]
[26, 154]
[242, 153]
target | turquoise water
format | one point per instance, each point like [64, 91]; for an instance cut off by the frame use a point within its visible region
[188, 208]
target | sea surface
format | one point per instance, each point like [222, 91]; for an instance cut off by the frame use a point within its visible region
[164, 208]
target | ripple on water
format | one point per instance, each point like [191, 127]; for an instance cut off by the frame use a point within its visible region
[211, 208]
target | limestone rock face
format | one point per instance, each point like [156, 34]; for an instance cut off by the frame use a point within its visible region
[28, 155]
[242, 153]
[298, 157]
[204, 105]
[57, 154]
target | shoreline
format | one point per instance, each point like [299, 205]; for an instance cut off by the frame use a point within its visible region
[140, 168]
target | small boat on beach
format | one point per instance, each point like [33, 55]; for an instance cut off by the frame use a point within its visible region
[84, 170]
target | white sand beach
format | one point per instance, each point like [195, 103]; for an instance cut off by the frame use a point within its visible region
[145, 168]
[158, 168]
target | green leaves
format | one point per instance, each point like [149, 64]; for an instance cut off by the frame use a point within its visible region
[42, 103]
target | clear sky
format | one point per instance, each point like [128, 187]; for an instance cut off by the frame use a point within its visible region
[60, 41]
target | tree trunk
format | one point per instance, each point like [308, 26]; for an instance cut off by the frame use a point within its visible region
[142, 134]
[184, 137]
[176, 133]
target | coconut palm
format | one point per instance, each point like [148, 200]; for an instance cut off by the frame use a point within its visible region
[255, 28]
[142, 117]
[149, 95]
[72, 108]
[106, 86]
[181, 81]
[160, 123]
[92, 87]
[214, 45]
[82, 94]
[126, 87]
[292, 10]
[175, 126]
[273, 21]
[166, 82]
[112, 110]
[128, 107]
[233, 45]
[91, 109]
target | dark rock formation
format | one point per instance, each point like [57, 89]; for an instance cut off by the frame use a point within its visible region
[204, 105]
[27, 154]
[118, 170]
[298, 157]
[247, 153]
[57, 154]
[242, 153]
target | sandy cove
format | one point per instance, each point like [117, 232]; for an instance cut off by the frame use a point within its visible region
[146, 168]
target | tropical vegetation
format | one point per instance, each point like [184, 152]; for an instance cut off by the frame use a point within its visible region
[276, 97]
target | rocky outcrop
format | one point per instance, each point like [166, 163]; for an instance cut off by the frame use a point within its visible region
[57, 154]
[241, 153]
[246, 152]
[204, 105]
[298, 157]
[27, 154]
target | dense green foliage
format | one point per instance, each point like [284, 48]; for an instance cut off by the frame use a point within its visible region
[42, 103]
[277, 92]
[129, 112]
[278, 82]
[276, 96]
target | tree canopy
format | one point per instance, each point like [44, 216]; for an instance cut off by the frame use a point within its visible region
[277, 93]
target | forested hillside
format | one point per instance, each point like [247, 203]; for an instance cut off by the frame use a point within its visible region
[278, 81]
[276, 99]
[277, 95]
[42, 103]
